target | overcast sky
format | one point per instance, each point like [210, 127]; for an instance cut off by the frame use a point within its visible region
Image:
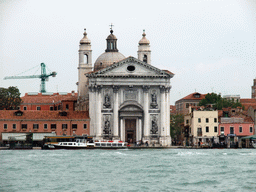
[210, 45]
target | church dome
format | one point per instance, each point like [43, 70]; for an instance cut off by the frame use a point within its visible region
[85, 39]
[107, 59]
[144, 40]
[111, 54]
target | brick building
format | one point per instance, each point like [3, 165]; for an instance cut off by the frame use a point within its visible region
[58, 122]
[49, 101]
[182, 105]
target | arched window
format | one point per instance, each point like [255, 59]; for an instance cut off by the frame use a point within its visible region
[145, 58]
[85, 58]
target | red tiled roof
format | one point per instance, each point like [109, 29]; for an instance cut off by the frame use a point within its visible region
[192, 97]
[43, 115]
[54, 98]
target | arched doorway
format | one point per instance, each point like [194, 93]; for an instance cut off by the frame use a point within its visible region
[131, 115]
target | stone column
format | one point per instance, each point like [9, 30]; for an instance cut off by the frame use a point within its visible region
[115, 112]
[92, 110]
[122, 130]
[163, 104]
[139, 129]
[146, 130]
[167, 92]
[98, 111]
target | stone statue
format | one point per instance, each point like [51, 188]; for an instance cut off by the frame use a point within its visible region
[154, 128]
[107, 127]
[153, 103]
[107, 103]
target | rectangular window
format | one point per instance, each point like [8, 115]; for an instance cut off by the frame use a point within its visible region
[64, 126]
[38, 108]
[45, 126]
[24, 126]
[13, 126]
[206, 129]
[240, 129]
[51, 108]
[24, 108]
[199, 131]
[5, 126]
[215, 129]
[74, 126]
[67, 107]
[222, 129]
[251, 130]
[231, 130]
[35, 126]
[85, 126]
[199, 120]
[187, 105]
[215, 120]
[187, 121]
[207, 120]
[53, 126]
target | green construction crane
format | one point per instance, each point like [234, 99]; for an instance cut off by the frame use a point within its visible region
[43, 77]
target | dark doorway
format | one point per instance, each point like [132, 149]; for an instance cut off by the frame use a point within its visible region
[130, 130]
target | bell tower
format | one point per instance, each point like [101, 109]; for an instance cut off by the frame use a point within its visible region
[144, 52]
[84, 66]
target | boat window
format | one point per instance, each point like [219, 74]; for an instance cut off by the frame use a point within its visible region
[114, 144]
[119, 144]
[103, 144]
[64, 143]
[97, 144]
[125, 144]
[70, 144]
[109, 144]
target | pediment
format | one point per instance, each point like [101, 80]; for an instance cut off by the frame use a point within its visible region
[131, 67]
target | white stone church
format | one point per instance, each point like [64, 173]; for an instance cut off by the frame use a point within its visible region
[127, 97]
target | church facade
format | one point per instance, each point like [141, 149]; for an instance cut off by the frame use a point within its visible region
[127, 98]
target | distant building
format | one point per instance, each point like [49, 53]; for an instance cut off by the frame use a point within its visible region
[182, 105]
[57, 122]
[49, 101]
[254, 89]
[172, 109]
[235, 98]
[234, 124]
[203, 125]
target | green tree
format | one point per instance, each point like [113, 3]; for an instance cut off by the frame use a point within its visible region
[9, 98]
[218, 102]
[176, 126]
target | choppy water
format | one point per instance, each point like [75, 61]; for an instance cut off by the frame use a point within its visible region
[128, 170]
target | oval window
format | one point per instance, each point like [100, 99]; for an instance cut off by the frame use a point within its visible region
[130, 68]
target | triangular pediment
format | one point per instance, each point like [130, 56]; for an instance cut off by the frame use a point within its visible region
[131, 67]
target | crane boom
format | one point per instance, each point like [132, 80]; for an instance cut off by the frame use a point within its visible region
[43, 77]
[22, 77]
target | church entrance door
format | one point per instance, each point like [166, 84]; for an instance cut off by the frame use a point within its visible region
[130, 130]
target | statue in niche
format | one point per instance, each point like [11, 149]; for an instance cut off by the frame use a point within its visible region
[107, 103]
[154, 128]
[106, 129]
[153, 103]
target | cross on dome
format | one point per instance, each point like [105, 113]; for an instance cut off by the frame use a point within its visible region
[111, 29]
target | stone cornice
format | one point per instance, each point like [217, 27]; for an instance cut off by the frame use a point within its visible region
[100, 73]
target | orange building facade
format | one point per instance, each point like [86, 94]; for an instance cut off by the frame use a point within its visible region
[58, 122]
